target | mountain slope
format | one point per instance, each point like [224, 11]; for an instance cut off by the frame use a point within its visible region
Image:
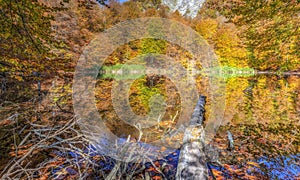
[185, 7]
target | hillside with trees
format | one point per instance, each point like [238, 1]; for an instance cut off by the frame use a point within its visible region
[257, 48]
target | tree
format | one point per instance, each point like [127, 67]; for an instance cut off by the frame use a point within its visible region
[225, 40]
[151, 45]
[149, 3]
[269, 28]
[25, 37]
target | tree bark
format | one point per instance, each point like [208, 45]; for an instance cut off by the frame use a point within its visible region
[192, 158]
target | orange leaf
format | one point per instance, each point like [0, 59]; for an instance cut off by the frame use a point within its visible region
[156, 177]
[216, 172]
[253, 164]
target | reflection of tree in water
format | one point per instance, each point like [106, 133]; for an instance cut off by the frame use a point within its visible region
[141, 95]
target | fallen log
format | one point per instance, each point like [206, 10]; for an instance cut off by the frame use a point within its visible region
[192, 158]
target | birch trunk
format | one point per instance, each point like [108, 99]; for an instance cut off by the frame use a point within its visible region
[192, 159]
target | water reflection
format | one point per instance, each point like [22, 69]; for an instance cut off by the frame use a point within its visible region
[281, 167]
[262, 112]
[249, 100]
[263, 99]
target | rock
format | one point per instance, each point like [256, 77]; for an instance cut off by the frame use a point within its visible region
[188, 8]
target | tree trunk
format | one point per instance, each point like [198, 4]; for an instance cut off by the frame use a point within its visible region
[192, 159]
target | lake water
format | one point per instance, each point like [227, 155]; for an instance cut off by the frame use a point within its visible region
[261, 111]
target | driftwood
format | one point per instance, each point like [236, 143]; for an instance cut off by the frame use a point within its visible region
[192, 158]
[230, 141]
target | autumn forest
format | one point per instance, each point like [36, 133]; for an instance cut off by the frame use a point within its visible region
[108, 89]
